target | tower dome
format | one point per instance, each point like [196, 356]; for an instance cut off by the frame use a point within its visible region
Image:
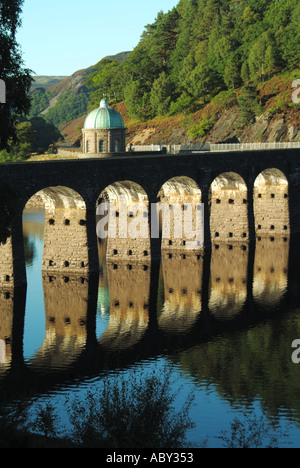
[103, 132]
[103, 118]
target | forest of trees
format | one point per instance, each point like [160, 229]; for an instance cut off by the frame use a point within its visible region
[199, 49]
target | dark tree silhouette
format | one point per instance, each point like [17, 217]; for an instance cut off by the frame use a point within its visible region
[17, 78]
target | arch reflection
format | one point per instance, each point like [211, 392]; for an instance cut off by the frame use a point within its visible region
[182, 274]
[6, 265]
[270, 280]
[228, 272]
[66, 301]
[6, 326]
[129, 291]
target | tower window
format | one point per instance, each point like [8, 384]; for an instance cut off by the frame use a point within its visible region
[117, 146]
[102, 146]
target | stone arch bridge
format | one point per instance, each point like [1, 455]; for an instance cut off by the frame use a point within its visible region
[246, 195]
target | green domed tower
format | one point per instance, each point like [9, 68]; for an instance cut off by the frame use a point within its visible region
[103, 131]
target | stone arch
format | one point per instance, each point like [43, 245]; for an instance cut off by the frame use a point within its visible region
[271, 204]
[123, 223]
[65, 230]
[229, 209]
[180, 201]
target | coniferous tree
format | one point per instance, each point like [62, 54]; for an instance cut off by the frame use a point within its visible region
[161, 94]
[249, 105]
[232, 73]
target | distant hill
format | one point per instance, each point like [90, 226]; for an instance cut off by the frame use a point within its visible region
[41, 81]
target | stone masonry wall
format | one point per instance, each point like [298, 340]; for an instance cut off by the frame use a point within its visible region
[271, 210]
[108, 137]
[65, 241]
[229, 215]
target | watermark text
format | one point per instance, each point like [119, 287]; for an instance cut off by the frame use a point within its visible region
[2, 92]
[139, 221]
[296, 93]
[296, 353]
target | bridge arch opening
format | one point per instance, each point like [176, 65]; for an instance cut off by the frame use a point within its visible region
[59, 213]
[123, 231]
[122, 218]
[53, 226]
[271, 204]
[229, 209]
[179, 206]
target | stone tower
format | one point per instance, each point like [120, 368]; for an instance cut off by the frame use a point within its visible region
[103, 132]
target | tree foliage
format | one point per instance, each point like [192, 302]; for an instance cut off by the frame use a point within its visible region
[17, 79]
[20, 147]
[8, 210]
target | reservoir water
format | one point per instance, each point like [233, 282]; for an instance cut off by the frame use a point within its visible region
[223, 325]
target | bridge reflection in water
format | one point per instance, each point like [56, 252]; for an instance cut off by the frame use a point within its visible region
[189, 307]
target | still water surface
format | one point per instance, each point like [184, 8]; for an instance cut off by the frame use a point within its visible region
[227, 339]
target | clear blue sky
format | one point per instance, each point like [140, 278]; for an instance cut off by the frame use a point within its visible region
[59, 37]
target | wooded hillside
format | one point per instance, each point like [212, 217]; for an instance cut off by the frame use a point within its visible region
[200, 48]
